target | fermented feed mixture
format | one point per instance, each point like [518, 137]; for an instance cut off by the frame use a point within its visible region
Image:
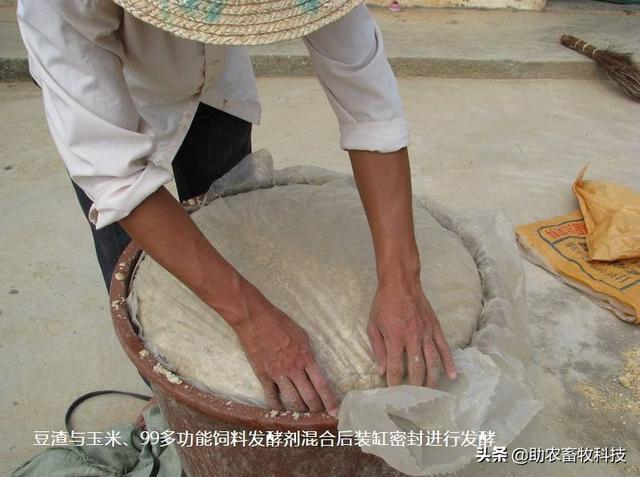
[308, 249]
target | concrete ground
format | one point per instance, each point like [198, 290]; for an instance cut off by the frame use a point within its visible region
[482, 44]
[515, 145]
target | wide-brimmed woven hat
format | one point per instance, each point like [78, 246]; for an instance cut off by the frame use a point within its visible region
[239, 22]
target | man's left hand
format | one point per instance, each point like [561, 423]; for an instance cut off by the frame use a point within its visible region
[402, 323]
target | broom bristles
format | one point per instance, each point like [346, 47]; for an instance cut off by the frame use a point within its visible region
[618, 67]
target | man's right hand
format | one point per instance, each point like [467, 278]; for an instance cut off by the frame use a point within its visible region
[279, 352]
[277, 348]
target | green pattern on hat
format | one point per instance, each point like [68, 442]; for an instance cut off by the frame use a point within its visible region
[309, 5]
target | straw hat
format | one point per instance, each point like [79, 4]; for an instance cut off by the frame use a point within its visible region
[239, 22]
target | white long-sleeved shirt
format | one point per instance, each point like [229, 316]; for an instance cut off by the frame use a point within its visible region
[119, 94]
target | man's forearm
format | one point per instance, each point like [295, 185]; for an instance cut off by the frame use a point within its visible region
[384, 183]
[162, 228]
[402, 322]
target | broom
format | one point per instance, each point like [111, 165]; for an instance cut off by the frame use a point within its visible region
[618, 67]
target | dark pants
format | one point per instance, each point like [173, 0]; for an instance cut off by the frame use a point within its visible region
[215, 142]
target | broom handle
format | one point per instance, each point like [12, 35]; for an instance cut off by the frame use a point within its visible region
[579, 45]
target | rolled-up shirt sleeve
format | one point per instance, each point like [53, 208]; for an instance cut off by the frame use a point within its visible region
[101, 138]
[349, 60]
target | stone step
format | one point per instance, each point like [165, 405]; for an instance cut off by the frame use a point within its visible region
[455, 43]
